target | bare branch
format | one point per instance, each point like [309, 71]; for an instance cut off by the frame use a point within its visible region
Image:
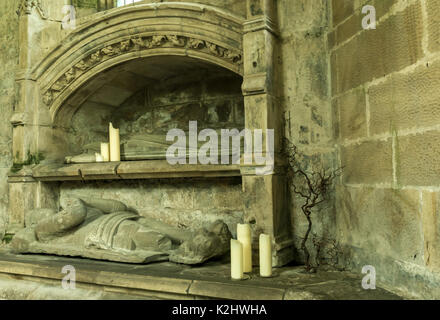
[314, 191]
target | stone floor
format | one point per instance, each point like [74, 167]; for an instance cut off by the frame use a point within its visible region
[39, 277]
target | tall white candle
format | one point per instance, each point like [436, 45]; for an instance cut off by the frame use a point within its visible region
[115, 145]
[236, 260]
[98, 157]
[265, 255]
[245, 238]
[105, 151]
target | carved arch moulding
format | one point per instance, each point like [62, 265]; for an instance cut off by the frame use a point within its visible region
[195, 31]
[139, 47]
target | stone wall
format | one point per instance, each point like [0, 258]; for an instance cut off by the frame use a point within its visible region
[183, 203]
[85, 7]
[305, 98]
[385, 92]
[237, 7]
[8, 62]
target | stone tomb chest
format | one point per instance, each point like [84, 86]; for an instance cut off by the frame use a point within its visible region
[149, 68]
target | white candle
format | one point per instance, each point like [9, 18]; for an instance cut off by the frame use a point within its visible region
[105, 151]
[236, 260]
[98, 158]
[265, 255]
[115, 146]
[244, 236]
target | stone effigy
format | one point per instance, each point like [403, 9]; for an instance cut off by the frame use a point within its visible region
[108, 230]
[145, 147]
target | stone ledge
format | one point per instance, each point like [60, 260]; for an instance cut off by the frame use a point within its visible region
[106, 280]
[151, 169]
[234, 291]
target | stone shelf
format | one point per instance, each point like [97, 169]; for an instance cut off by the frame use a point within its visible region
[40, 278]
[151, 169]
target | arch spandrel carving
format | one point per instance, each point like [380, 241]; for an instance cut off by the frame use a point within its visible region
[195, 31]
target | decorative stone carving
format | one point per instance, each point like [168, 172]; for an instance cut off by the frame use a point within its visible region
[135, 44]
[214, 49]
[26, 6]
[232, 55]
[139, 43]
[81, 66]
[108, 230]
[124, 45]
[177, 41]
[156, 41]
[110, 51]
[95, 58]
[48, 97]
[196, 43]
[70, 75]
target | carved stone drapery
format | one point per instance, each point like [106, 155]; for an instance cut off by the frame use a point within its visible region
[26, 6]
[136, 44]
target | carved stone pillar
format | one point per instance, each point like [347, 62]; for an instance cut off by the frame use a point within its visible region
[24, 192]
[265, 196]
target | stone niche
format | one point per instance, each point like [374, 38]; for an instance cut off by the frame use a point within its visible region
[149, 68]
[149, 97]
[146, 98]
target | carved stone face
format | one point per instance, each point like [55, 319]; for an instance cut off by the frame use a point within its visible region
[205, 245]
[199, 248]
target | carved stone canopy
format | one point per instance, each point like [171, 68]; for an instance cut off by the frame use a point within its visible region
[134, 44]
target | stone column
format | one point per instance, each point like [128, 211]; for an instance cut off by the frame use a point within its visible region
[265, 202]
[24, 192]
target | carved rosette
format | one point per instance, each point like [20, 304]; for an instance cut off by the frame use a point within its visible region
[136, 44]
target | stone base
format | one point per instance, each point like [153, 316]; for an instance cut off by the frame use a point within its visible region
[40, 277]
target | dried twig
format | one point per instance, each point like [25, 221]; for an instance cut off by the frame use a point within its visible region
[313, 190]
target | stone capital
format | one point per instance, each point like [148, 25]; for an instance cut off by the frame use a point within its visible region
[25, 7]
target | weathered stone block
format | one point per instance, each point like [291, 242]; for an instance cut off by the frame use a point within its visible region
[353, 25]
[296, 16]
[349, 28]
[386, 222]
[433, 8]
[352, 111]
[431, 228]
[5, 154]
[395, 44]
[369, 162]
[406, 101]
[417, 159]
[21, 199]
[342, 9]
[3, 197]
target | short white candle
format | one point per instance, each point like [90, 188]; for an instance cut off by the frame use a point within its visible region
[105, 151]
[245, 238]
[236, 260]
[98, 157]
[115, 145]
[265, 255]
